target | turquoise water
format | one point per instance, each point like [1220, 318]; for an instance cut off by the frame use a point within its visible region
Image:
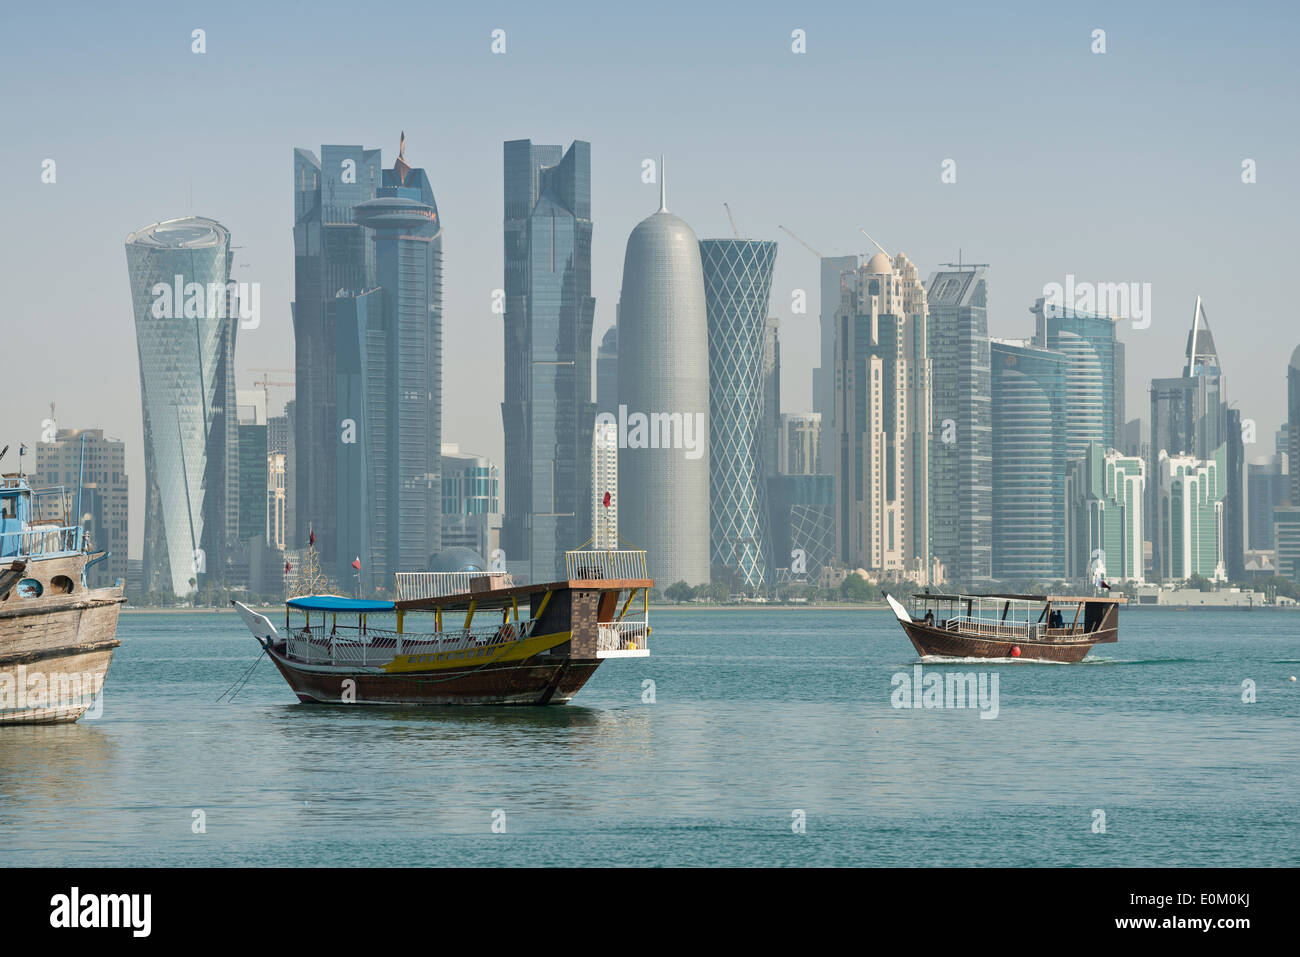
[756, 715]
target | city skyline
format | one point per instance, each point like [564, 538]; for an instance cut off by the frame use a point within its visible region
[1009, 173]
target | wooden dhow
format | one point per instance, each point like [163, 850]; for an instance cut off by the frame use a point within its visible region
[57, 635]
[1034, 627]
[464, 638]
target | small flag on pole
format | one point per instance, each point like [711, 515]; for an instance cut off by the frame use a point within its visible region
[356, 563]
[607, 500]
[287, 566]
[311, 536]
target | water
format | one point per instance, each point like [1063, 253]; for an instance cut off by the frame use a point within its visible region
[757, 715]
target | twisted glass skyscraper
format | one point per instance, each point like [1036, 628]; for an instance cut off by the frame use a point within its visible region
[737, 286]
[185, 333]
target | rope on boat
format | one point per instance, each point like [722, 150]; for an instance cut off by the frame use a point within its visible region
[243, 679]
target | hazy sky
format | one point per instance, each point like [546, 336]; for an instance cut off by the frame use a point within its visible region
[1119, 167]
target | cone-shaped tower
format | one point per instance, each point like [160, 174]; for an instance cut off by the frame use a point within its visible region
[663, 390]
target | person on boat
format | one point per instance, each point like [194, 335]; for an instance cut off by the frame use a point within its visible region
[506, 633]
[929, 617]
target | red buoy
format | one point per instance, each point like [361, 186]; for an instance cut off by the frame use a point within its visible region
[1015, 651]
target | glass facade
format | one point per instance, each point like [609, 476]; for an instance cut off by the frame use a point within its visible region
[402, 366]
[252, 481]
[1190, 500]
[331, 252]
[1094, 409]
[802, 511]
[1105, 528]
[185, 322]
[1029, 460]
[547, 410]
[961, 439]
[737, 287]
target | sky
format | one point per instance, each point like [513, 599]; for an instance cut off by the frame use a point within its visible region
[1123, 166]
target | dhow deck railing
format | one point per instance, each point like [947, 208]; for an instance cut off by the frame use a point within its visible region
[600, 564]
[614, 638]
[416, 585]
[38, 541]
[376, 647]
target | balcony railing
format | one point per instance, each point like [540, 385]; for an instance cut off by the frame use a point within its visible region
[414, 585]
[623, 639]
[42, 541]
[599, 563]
[375, 647]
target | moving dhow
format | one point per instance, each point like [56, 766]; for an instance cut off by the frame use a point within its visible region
[464, 638]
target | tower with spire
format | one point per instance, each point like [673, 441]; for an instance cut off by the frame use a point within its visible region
[663, 375]
[1190, 418]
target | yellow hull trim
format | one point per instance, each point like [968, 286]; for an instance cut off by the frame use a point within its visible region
[440, 660]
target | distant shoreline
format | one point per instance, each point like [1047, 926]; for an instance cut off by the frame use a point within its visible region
[129, 609]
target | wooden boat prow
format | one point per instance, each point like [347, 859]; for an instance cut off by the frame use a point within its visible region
[57, 634]
[1033, 627]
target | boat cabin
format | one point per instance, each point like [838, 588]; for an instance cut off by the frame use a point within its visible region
[1024, 617]
[451, 619]
[24, 530]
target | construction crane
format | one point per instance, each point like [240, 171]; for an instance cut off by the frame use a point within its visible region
[874, 243]
[266, 383]
[800, 242]
[733, 220]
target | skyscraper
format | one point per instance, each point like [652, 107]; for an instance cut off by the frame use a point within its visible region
[604, 486]
[607, 372]
[1189, 418]
[663, 386]
[1234, 498]
[185, 322]
[1029, 442]
[771, 423]
[331, 252]
[406, 331]
[882, 421]
[799, 450]
[737, 288]
[1293, 425]
[362, 450]
[1266, 484]
[831, 283]
[547, 411]
[961, 452]
[1190, 503]
[1094, 378]
[93, 476]
[471, 501]
[1105, 524]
